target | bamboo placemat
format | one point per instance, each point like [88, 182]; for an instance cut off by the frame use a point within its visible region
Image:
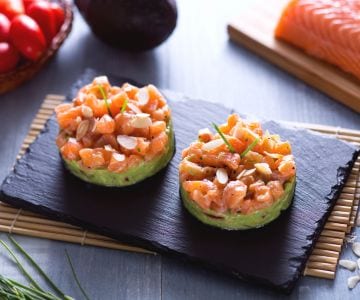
[322, 261]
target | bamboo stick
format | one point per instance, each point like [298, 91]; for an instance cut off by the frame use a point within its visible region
[321, 266]
[326, 239]
[327, 253]
[342, 208]
[76, 240]
[335, 226]
[328, 246]
[338, 219]
[325, 259]
[333, 233]
[319, 273]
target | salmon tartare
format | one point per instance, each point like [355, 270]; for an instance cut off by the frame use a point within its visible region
[237, 177]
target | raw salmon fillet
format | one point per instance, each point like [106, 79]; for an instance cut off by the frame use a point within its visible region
[326, 29]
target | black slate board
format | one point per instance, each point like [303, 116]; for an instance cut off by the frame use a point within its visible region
[150, 214]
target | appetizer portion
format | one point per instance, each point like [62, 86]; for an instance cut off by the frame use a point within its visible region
[326, 29]
[237, 177]
[115, 136]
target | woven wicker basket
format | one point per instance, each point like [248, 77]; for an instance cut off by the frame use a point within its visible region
[12, 79]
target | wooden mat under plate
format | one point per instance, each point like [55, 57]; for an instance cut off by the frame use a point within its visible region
[322, 262]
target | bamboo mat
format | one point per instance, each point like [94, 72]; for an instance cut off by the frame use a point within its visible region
[322, 261]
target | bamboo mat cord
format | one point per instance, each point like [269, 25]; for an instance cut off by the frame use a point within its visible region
[322, 262]
[14, 221]
[84, 238]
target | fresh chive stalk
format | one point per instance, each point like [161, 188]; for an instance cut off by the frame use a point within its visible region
[37, 267]
[124, 105]
[75, 276]
[20, 266]
[103, 94]
[249, 148]
[231, 148]
[11, 289]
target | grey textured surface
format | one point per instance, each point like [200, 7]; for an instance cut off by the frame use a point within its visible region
[198, 60]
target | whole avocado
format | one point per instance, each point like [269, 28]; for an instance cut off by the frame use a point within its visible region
[130, 24]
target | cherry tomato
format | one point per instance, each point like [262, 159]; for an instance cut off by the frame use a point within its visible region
[4, 28]
[9, 57]
[27, 37]
[42, 13]
[11, 8]
[27, 3]
[59, 14]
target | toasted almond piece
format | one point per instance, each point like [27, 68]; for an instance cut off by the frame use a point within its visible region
[72, 140]
[101, 80]
[118, 156]
[205, 135]
[275, 137]
[356, 248]
[274, 155]
[213, 144]
[246, 173]
[134, 108]
[348, 264]
[222, 175]
[86, 111]
[92, 125]
[252, 133]
[82, 129]
[105, 118]
[353, 281]
[109, 148]
[141, 121]
[128, 142]
[266, 134]
[263, 168]
[143, 96]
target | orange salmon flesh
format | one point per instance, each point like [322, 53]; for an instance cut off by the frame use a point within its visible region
[326, 29]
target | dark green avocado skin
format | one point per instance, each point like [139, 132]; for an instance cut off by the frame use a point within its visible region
[232, 221]
[134, 175]
[130, 24]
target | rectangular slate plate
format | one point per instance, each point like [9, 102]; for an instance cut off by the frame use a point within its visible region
[150, 214]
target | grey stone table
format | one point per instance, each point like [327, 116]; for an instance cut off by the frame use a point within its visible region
[199, 61]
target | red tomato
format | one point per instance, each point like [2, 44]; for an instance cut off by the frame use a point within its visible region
[9, 57]
[42, 13]
[11, 8]
[4, 28]
[59, 14]
[27, 3]
[27, 37]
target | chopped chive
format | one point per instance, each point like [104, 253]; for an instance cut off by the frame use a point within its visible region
[103, 94]
[37, 267]
[249, 148]
[124, 105]
[75, 276]
[231, 148]
[20, 266]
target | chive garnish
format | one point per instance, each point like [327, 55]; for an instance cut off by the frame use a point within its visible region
[103, 94]
[249, 148]
[75, 276]
[37, 267]
[10, 289]
[231, 148]
[124, 105]
[20, 266]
